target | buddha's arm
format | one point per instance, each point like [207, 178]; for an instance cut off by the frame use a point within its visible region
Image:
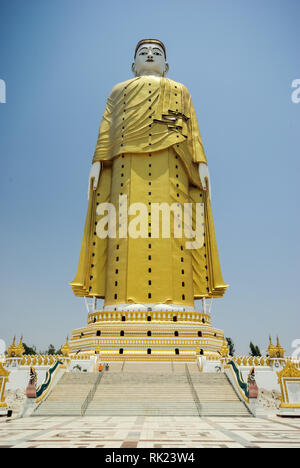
[205, 177]
[94, 176]
[199, 153]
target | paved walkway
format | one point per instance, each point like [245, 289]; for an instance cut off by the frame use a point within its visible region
[150, 432]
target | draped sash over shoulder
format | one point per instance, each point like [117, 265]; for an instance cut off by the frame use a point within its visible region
[148, 114]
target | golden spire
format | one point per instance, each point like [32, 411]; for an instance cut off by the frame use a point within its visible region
[20, 348]
[66, 348]
[225, 349]
[271, 351]
[279, 349]
[13, 349]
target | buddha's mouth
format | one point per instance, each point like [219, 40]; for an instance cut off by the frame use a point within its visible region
[149, 60]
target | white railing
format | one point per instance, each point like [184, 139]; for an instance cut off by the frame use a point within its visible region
[251, 361]
[35, 360]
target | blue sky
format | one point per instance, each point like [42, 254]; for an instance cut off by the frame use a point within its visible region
[60, 59]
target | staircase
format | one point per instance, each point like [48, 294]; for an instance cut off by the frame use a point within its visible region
[137, 393]
[68, 395]
[216, 396]
[181, 391]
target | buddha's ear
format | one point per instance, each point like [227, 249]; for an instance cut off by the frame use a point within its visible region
[133, 68]
[166, 68]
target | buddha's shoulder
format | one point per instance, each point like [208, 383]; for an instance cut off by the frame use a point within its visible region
[177, 84]
[119, 87]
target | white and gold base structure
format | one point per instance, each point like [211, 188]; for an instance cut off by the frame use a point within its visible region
[152, 335]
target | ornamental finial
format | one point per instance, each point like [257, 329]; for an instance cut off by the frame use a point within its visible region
[66, 348]
[225, 349]
[271, 351]
[12, 351]
[20, 348]
[279, 349]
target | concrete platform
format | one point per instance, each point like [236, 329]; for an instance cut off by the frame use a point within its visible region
[149, 432]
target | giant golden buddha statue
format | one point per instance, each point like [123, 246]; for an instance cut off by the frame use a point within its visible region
[149, 161]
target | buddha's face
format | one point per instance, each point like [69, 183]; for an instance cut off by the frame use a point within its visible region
[150, 60]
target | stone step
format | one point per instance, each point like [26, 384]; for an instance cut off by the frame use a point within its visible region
[138, 392]
[143, 409]
[80, 378]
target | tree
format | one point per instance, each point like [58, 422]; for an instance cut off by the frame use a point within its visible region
[51, 350]
[29, 350]
[230, 346]
[254, 350]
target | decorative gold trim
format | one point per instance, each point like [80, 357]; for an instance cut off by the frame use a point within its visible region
[290, 370]
[3, 372]
[141, 317]
[285, 405]
[145, 357]
[136, 327]
[289, 374]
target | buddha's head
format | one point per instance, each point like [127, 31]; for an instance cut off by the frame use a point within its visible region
[150, 58]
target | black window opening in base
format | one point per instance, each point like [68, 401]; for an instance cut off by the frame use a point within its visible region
[176, 351]
[121, 351]
[174, 318]
[123, 318]
[149, 318]
[148, 351]
[98, 333]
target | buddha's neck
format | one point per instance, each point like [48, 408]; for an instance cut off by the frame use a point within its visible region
[153, 74]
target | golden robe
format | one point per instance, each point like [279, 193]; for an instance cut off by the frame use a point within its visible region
[150, 148]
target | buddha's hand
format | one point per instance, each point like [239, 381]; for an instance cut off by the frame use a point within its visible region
[94, 177]
[205, 178]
